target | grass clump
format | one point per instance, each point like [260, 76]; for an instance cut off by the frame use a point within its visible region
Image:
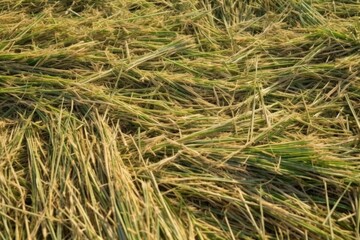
[179, 119]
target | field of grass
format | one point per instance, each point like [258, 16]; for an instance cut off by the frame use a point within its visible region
[180, 119]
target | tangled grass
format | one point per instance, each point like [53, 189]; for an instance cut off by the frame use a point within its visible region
[189, 119]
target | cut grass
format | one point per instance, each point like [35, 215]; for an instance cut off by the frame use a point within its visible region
[191, 119]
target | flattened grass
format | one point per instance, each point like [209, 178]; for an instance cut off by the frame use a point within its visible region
[179, 119]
